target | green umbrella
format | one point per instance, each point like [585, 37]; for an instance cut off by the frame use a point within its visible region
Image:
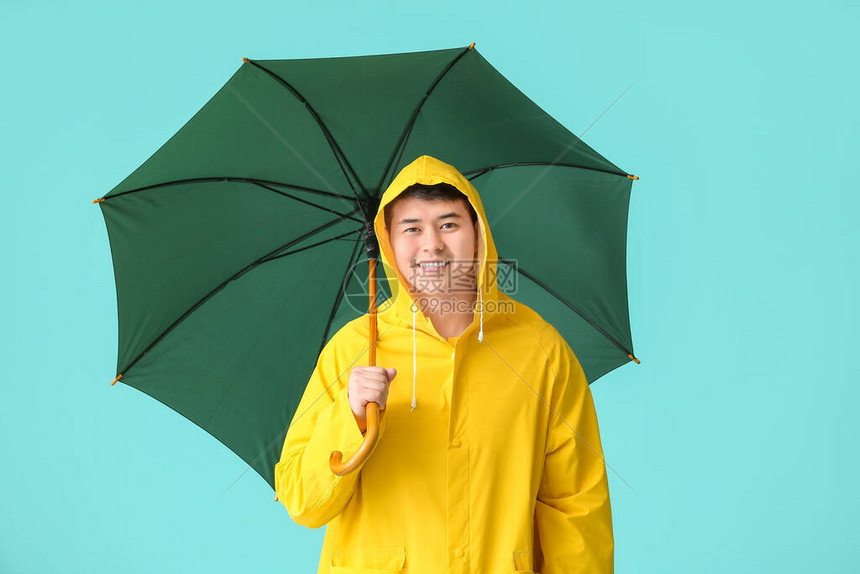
[239, 247]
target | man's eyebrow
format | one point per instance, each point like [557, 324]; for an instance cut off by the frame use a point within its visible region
[446, 216]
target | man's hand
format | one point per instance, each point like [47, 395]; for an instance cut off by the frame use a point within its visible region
[368, 385]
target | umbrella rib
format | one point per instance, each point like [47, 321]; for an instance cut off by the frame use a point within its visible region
[220, 286]
[225, 178]
[484, 170]
[344, 215]
[339, 156]
[407, 130]
[552, 292]
[341, 236]
[340, 293]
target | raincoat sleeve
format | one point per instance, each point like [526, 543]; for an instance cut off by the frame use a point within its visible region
[572, 511]
[322, 423]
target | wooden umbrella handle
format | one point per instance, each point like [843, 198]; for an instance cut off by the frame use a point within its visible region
[335, 460]
[336, 463]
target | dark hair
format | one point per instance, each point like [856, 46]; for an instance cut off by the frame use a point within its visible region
[437, 191]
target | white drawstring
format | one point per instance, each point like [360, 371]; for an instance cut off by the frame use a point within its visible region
[414, 403]
[481, 303]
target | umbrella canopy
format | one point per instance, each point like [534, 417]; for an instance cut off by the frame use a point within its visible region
[239, 246]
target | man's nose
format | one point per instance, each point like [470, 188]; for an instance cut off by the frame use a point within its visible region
[433, 241]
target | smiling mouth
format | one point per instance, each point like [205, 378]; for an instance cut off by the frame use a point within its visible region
[431, 264]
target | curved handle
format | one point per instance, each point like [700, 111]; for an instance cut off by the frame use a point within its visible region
[335, 460]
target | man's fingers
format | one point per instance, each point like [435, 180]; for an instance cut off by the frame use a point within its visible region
[372, 397]
[383, 377]
[375, 386]
[376, 373]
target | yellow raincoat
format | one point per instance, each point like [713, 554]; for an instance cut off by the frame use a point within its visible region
[498, 468]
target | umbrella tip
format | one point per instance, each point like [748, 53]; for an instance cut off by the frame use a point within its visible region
[632, 176]
[118, 377]
[244, 59]
[99, 200]
[276, 498]
[630, 356]
[472, 45]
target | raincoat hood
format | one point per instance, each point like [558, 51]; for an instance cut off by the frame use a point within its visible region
[400, 308]
[428, 170]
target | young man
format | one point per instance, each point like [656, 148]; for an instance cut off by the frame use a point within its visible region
[490, 460]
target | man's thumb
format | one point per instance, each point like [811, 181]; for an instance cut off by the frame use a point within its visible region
[391, 372]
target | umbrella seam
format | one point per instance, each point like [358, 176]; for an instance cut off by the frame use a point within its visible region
[407, 130]
[335, 148]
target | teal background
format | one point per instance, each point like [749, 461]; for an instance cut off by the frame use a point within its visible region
[734, 436]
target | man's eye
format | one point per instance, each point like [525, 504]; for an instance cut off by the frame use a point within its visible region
[408, 228]
[449, 223]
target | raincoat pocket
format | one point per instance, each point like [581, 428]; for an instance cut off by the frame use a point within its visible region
[369, 561]
[524, 562]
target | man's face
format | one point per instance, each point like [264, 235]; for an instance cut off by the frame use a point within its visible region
[440, 231]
